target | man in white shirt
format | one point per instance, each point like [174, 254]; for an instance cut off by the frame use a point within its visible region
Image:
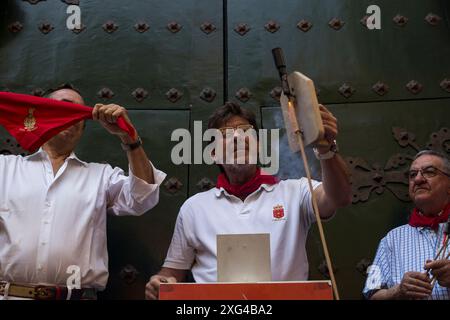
[246, 201]
[53, 210]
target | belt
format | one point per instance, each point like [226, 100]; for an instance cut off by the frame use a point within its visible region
[43, 292]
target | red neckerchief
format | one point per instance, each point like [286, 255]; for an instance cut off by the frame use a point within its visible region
[35, 120]
[419, 220]
[243, 190]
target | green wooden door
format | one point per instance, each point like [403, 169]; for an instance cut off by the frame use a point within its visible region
[172, 63]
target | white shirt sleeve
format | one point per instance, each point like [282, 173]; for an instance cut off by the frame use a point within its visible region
[306, 208]
[181, 254]
[132, 195]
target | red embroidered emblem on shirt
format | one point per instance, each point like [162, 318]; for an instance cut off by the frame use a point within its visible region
[278, 212]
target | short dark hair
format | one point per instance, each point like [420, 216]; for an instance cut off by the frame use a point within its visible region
[227, 111]
[60, 87]
[445, 159]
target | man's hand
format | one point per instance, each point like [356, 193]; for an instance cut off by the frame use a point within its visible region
[441, 270]
[107, 115]
[152, 287]
[330, 127]
[414, 285]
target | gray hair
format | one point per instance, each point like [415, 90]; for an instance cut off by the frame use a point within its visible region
[443, 157]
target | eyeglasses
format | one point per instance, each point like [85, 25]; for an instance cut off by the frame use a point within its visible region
[427, 172]
[231, 130]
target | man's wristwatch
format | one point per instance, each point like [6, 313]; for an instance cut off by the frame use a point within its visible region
[329, 154]
[132, 146]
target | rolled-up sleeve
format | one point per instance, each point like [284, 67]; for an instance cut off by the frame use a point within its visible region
[130, 195]
[306, 207]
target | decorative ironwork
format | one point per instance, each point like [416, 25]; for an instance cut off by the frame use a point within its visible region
[405, 138]
[366, 178]
[364, 20]
[174, 95]
[380, 88]
[440, 141]
[207, 27]
[79, 29]
[105, 93]
[15, 27]
[243, 94]
[205, 184]
[414, 87]
[174, 26]
[10, 146]
[363, 265]
[242, 28]
[336, 23]
[400, 20]
[433, 19]
[141, 27]
[208, 94]
[275, 93]
[346, 90]
[45, 27]
[304, 25]
[445, 84]
[173, 185]
[110, 26]
[140, 94]
[272, 26]
[129, 274]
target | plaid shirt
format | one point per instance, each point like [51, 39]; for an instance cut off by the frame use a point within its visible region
[405, 249]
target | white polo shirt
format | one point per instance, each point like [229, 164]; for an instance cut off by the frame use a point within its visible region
[207, 214]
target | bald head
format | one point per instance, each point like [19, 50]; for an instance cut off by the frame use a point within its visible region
[68, 95]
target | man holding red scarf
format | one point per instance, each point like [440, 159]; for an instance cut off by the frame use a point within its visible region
[246, 200]
[405, 265]
[53, 205]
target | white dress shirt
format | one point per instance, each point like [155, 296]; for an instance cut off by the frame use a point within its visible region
[50, 222]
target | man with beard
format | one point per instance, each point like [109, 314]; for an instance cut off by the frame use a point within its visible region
[245, 201]
[404, 264]
[53, 210]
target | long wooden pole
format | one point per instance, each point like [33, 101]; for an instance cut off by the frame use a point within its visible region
[297, 131]
[316, 212]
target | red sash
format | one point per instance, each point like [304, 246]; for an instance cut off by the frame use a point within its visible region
[243, 190]
[34, 120]
[417, 219]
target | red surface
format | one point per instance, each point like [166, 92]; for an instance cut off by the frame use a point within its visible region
[309, 290]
